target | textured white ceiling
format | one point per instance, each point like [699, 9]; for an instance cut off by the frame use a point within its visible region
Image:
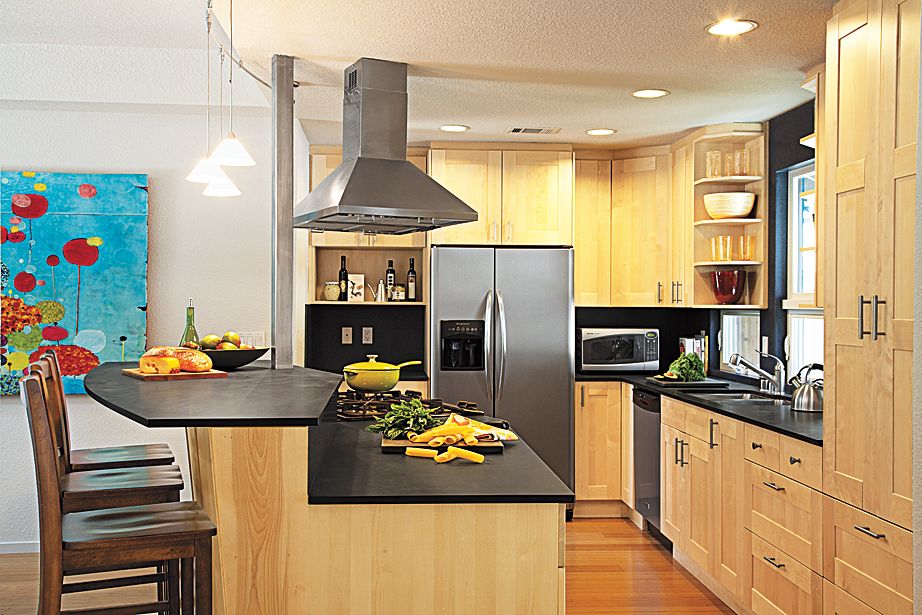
[492, 64]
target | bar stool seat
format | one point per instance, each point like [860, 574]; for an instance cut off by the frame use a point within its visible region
[120, 487]
[135, 455]
[123, 527]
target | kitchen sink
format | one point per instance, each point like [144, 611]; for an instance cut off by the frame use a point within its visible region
[743, 397]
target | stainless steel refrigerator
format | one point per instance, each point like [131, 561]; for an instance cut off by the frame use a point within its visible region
[502, 335]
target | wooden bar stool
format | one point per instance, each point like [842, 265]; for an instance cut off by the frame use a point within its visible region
[106, 488]
[114, 539]
[79, 460]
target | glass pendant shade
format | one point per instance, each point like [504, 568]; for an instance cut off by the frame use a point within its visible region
[221, 188]
[207, 171]
[231, 153]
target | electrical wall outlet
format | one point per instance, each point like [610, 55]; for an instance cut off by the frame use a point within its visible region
[253, 338]
[367, 335]
[347, 335]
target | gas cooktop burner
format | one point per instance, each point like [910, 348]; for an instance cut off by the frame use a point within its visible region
[356, 406]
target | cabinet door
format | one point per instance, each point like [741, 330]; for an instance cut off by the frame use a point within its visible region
[700, 495]
[729, 500]
[852, 235]
[627, 444]
[640, 231]
[475, 177]
[673, 503]
[537, 198]
[889, 491]
[680, 229]
[598, 441]
[592, 236]
[321, 166]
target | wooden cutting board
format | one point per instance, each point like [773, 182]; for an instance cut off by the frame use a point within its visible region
[134, 372]
[399, 446]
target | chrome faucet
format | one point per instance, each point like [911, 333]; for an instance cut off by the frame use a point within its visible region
[768, 383]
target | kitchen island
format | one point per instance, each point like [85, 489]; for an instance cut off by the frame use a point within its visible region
[313, 518]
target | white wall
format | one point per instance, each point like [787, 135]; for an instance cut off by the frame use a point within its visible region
[214, 250]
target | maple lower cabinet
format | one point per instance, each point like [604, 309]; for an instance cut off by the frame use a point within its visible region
[475, 177]
[726, 442]
[592, 233]
[537, 197]
[672, 486]
[640, 231]
[598, 440]
[698, 465]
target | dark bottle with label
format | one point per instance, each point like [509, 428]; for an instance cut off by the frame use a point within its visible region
[343, 280]
[390, 279]
[411, 282]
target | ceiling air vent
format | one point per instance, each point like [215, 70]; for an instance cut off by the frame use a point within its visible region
[522, 130]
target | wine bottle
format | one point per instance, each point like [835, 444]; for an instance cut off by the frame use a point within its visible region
[343, 280]
[411, 282]
[390, 279]
[189, 334]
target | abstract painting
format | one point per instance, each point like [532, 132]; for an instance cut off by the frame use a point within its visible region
[73, 272]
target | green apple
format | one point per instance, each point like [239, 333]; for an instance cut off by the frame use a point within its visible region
[231, 337]
[210, 342]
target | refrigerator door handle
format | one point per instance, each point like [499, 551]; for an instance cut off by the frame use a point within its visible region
[501, 308]
[488, 344]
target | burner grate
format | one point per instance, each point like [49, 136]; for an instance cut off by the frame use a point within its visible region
[357, 406]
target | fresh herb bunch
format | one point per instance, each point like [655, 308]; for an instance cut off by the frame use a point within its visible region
[688, 368]
[404, 417]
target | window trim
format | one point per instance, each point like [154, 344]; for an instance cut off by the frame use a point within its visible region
[725, 367]
[813, 312]
[797, 300]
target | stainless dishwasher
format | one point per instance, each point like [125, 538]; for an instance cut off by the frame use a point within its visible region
[647, 455]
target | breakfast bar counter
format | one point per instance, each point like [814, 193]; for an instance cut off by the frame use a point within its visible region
[313, 518]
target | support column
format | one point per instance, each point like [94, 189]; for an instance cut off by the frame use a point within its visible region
[282, 211]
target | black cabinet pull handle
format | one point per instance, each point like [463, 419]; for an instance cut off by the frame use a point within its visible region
[678, 292]
[795, 460]
[861, 303]
[756, 445]
[676, 448]
[771, 560]
[711, 424]
[876, 302]
[866, 530]
[682, 462]
[772, 486]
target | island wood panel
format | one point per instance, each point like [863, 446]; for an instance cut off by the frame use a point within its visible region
[274, 553]
[592, 243]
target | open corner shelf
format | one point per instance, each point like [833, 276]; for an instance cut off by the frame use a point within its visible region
[727, 263]
[729, 179]
[729, 222]
[730, 137]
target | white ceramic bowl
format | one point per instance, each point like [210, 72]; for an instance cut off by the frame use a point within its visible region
[721, 205]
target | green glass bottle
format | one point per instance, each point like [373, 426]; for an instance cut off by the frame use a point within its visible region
[189, 334]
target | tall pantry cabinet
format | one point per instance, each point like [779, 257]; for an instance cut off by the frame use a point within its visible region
[872, 61]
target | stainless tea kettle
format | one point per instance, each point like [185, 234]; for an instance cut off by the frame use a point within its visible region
[808, 395]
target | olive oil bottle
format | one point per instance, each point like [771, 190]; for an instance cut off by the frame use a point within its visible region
[189, 334]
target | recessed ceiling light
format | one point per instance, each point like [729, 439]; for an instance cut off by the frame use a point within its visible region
[454, 128]
[653, 93]
[600, 132]
[732, 27]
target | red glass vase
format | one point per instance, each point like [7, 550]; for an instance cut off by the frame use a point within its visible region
[728, 285]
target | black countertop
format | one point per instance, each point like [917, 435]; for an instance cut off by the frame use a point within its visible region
[806, 426]
[353, 470]
[252, 396]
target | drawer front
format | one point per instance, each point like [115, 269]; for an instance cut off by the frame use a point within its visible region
[781, 585]
[698, 423]
[673, 413]
[785, 514]
[801, 461]
[867, 557]
[762, 447]
[837, 601]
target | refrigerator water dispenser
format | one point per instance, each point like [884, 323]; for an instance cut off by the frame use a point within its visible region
[462, 346]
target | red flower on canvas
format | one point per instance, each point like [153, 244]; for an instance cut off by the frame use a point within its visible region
[74, 360]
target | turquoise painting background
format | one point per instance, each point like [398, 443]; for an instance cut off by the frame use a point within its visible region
[103, 217]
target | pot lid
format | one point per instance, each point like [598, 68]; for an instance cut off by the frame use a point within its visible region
[371, 365]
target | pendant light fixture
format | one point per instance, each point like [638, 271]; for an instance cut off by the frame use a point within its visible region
[223, 187]
[207, 170]
[231, 152]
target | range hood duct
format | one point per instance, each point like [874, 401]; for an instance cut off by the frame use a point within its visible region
[375, 189]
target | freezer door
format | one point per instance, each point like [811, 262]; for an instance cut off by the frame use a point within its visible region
[462, 289]
[534, 350]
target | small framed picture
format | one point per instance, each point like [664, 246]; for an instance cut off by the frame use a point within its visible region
[357, 287]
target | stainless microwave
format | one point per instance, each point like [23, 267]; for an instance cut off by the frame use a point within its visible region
[618, 350]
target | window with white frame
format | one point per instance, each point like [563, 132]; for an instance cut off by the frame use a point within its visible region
[804, 342]
[739, 334]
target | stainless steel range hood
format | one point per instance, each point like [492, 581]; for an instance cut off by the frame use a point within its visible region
[375, 189]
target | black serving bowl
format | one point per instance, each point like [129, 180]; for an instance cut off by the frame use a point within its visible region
[232, 359]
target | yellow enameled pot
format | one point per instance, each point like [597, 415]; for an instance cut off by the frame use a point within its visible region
[373, 376]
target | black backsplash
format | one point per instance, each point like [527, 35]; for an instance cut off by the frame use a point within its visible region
[672, 323]
[399, 335]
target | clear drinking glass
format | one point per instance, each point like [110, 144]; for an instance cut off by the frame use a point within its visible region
[741, 162]
[722, 248]
[713, 168]
[746, 247]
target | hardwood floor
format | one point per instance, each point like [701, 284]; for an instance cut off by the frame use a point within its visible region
[611, 568]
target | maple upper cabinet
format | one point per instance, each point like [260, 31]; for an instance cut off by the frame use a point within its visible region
[640, 231]
[537, 197]
[475, 177]
[680, 229]
[872, 64]
[598, 440]
[592, 235]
